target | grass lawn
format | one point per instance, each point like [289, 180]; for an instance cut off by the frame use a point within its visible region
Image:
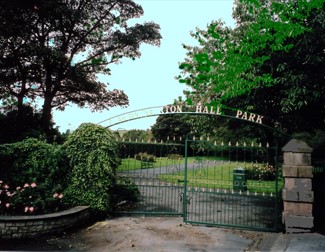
[220, 176]
[207, 172]
[133, 164]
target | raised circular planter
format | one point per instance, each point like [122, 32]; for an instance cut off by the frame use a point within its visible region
[19, 227]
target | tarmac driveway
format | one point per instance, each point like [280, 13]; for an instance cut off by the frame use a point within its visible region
[165, 234]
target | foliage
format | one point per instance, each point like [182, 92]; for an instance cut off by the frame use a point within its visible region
[32, 162]
[12, 130]
[175, 156]
[125, 191]
[53, 51]
[28, 199]
[266, 64]
[264, 172]
[316, 140]
[92, 154]
[136, 134]
[168, 127]
[144, 156]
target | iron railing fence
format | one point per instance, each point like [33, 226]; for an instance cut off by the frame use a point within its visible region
[205, 182]
[142, 166]
[232, 185]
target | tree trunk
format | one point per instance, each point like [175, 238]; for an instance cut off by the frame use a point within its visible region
[47, 117]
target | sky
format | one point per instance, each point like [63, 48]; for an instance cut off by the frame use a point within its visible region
[150, 80]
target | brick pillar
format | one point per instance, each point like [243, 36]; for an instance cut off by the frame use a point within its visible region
[297, 193]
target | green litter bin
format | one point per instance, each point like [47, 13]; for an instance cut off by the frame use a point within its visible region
[239, 179]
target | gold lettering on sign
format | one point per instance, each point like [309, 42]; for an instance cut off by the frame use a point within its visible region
[218, 112]
[172, 109]
[212, 110]
[198, 109]
[249, 116]
[259, 119]
[252, 117]
[206, 110]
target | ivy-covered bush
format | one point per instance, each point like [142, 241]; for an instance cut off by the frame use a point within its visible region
[32, 172]
[261, 172]
[93, 158]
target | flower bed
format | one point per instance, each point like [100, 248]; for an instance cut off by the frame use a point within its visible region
[263, 172]
[18, 227]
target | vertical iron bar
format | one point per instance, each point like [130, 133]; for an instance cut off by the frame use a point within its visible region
[185, 182]
[276, 187]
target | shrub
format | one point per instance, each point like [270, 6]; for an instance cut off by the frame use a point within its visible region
[27, 199]
[92, 154]
[144, 156]
[125, 191]
[31, 162]
[261, 172]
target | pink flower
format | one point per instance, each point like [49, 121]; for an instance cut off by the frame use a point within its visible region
[55, 195]
[18, 188]
[26, 185]
[61, 196]
[31, 209]
[8, 194]
[6, 186]
[33, 185]
[7, 205]
[26, 209]
[1, 181]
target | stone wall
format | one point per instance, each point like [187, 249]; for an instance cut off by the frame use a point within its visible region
[297, 193]
[17, 227]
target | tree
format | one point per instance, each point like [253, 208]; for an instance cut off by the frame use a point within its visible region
[54, 50]
[168, 127]
[11, 131]
[266, 64]
[137, 135]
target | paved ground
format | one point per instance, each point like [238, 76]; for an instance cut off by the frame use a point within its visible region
[166, 234]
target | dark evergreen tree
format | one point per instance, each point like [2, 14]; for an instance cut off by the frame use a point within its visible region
[52, 50]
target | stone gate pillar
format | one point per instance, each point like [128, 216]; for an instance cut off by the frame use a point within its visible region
[297, 193]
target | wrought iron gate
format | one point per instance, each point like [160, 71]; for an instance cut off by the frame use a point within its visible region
[141, 178]
[206, 183]
[232, 185]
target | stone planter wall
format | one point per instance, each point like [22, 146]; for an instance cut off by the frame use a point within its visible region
[18, 227]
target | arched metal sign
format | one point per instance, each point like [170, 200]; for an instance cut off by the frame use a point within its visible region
[195, 110]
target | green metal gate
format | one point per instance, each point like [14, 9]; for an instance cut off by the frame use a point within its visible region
[140, 178]
[206, 183]
[231, 185]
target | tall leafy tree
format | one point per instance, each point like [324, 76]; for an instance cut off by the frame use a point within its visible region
[271, 63]
[172, 127]
[53, 50]
[136, 135]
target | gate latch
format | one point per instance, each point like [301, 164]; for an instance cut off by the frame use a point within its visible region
[188, 198]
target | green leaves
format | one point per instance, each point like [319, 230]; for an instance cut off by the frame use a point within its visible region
[92, 154]
[34, 161]
[269, 61]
